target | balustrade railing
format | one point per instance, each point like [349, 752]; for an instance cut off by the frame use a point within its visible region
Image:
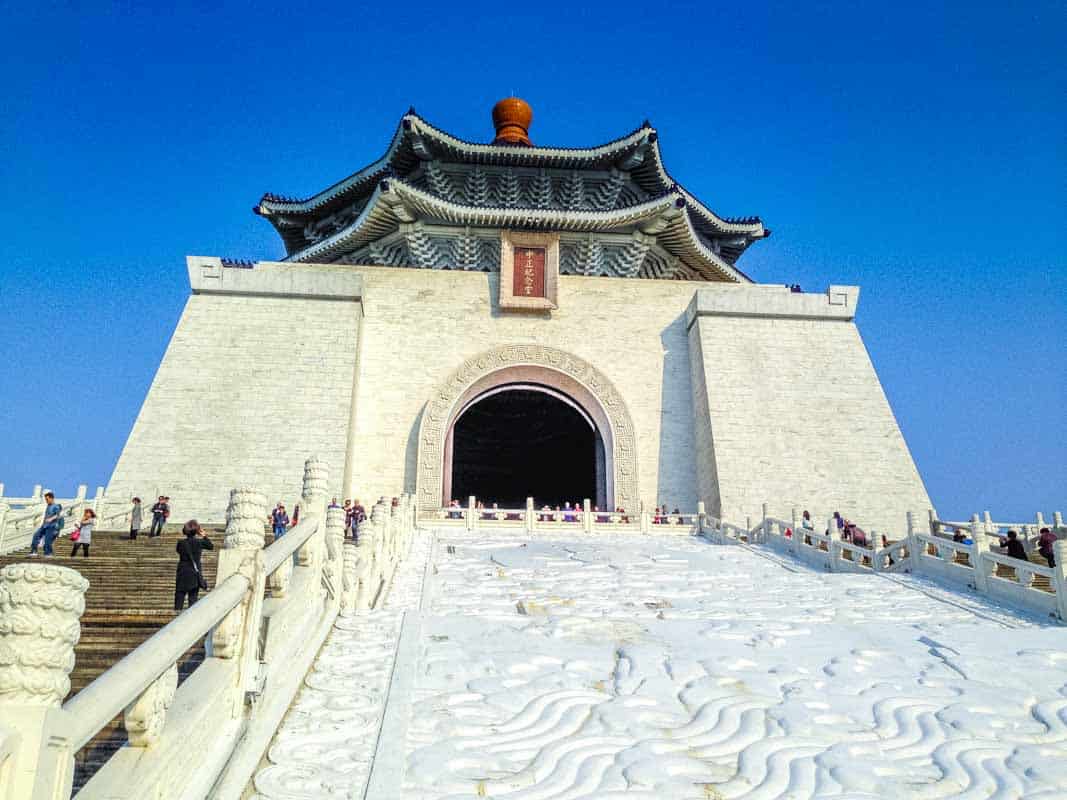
[586, 518]
[262, 623]
[933, 554]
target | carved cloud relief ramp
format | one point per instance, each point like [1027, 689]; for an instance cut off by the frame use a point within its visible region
[624, 666]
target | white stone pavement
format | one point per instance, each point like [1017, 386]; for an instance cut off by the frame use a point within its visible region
[614, 666]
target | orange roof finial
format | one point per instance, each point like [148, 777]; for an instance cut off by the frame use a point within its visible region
[512, 118]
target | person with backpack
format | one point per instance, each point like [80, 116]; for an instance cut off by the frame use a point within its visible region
[189, 579]
[82, 535]
[50, 526]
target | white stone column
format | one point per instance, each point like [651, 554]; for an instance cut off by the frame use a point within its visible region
[335, 542]
[979, 546]
[529, 515]
[472, 517]
[587, 516]
[241, 554]
[40, 607]
[313, 503]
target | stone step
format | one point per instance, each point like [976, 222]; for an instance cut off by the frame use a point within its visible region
[130, 597]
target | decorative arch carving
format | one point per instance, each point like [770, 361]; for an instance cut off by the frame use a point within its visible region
[601, 399]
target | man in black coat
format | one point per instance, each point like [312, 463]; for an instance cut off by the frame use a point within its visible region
[189, 579]
[1015, 547]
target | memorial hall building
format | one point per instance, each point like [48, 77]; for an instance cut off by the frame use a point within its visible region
[507, 320]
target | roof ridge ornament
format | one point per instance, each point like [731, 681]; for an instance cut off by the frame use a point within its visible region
[511, 120]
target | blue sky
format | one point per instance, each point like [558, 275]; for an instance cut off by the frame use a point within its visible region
[916, 150]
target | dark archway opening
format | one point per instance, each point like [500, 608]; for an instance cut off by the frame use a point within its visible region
[525, 441]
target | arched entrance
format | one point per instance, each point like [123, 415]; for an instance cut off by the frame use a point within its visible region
[555, 373]
[525, 440]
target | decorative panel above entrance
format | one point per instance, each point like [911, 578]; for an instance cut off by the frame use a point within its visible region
[529, 271]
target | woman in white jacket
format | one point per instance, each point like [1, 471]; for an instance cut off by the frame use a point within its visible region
[82, 535]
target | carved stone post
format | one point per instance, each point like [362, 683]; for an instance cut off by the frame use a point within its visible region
[1057, 521]
[979, 546]
[472, 518]
[833, 545]
[146, 716]
[40, 607]
[313, 503]
[349, 577]
[1059, 577]
[529, 515]
[587, 516]
[241, 554]
[335, 542]
[366, 567]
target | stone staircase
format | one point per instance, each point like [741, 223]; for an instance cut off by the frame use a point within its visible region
[130, 597]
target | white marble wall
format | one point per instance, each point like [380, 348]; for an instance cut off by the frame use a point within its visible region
[250, 387]
[259, 375]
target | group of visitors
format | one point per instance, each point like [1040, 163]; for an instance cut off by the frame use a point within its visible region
[1015, 549]
[661, 517]
[355, 515]
[849, 531]
[52, 527]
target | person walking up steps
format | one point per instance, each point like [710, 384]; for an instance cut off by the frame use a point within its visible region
[189, 579]
[50, 527]
[160, 512]
[82, 535]
[279, 521]
[135, 518]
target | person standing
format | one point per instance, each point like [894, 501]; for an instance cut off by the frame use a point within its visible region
[1014, 546]
[160, 512]
[82, 535]
[135, 518]
[1045, 543]
[189, 578]
[279, 521]
[50, 526]
[359, 516]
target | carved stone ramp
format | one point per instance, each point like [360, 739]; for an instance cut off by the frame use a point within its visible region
[623, 666]
[328, 742]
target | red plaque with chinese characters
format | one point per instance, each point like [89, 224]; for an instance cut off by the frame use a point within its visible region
[529, 274]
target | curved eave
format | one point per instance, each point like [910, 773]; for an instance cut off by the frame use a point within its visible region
[412, 125]
[270, 205]
[395, 202]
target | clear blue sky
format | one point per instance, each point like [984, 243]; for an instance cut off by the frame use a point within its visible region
[916, 150]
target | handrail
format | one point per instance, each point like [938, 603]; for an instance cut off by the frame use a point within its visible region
[1029, 566]
[106, 697]
[280, 550]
